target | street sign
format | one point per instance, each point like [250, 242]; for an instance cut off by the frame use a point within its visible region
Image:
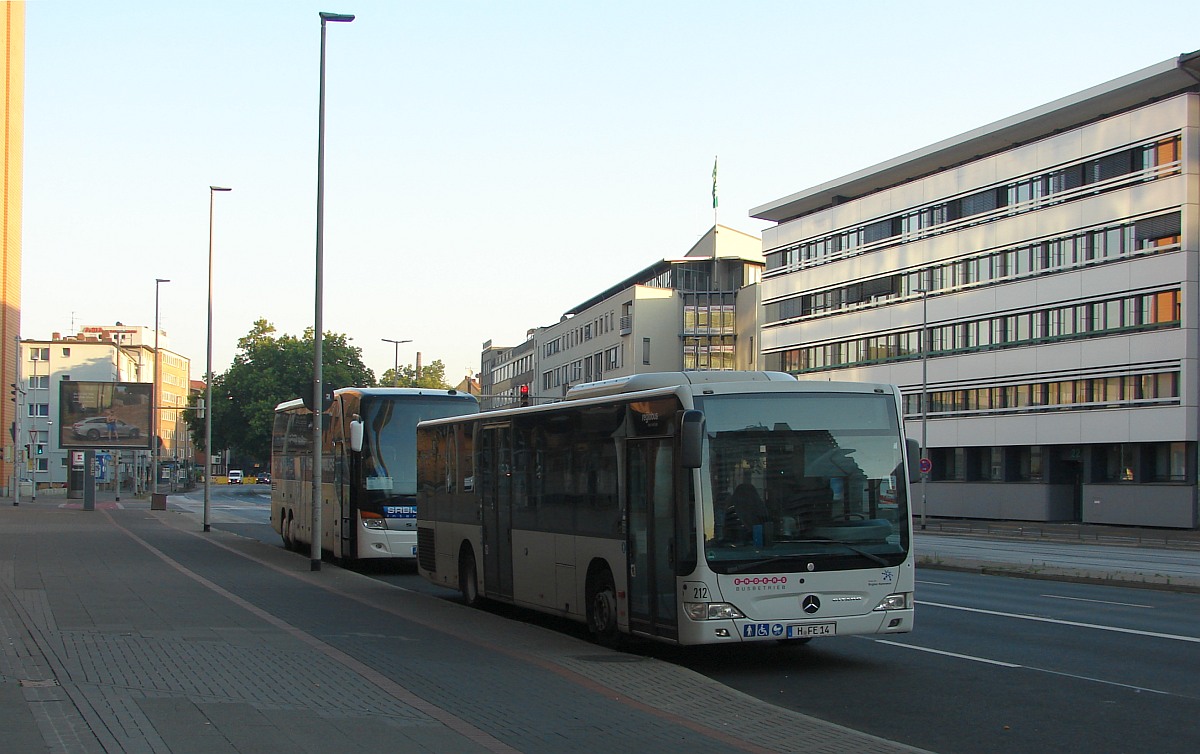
[925, 466]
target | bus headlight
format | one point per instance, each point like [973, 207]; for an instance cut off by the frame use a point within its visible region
[374, 523]
[711, 611]
[898, 601]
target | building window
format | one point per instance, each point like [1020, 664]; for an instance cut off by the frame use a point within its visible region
[645, 350]
[1030, 464]
[1167, 461]
[39, 409]
[990, 464]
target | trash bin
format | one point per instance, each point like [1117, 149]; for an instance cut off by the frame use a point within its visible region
[158, 501]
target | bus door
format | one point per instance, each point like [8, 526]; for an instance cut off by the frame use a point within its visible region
[495, 484]
[347, 528]
[650, 490]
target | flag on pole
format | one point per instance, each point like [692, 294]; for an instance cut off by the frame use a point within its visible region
[714, 183]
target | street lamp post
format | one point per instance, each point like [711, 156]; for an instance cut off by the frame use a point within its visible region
[924, 291]
[318, 376]
[208, 366]
[395, 360]
[154, 389]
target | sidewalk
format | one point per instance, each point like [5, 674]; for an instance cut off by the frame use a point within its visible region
[1122, 556]
[128, 630]
[1054, 531]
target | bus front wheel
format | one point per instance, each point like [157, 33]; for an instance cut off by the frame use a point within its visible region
[602, 609]
[468, 583]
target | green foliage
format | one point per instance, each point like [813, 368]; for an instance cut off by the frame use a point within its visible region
[433, 375]
[267, 371]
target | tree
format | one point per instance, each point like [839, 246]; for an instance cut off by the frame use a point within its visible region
[433, 375]
[267, 371]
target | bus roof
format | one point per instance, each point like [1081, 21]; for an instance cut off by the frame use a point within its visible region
[389, 392]
[649, 381]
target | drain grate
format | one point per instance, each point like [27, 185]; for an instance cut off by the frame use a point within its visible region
[610, 658]
[31, 684]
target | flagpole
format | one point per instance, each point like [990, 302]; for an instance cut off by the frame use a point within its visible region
[714, 194]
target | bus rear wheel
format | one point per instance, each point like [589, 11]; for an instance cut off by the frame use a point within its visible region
[285, 530]
[468, 582]
[602, 610]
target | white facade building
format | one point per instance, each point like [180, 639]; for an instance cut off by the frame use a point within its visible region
[1051, 262]
[697, 311]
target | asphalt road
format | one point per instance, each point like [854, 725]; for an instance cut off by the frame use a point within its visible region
[996, 664]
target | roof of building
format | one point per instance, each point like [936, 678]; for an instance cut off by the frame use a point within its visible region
[1156, 82]
[704, 249]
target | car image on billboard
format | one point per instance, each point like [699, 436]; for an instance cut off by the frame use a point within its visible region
[105, 414]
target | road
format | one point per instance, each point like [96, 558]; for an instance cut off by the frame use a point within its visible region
[996, 664]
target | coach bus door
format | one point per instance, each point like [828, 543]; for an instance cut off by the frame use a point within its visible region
[650, 490]
[495, 481]
[347, 524]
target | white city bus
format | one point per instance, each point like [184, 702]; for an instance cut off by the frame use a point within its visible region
[688, 507]
[368, 476]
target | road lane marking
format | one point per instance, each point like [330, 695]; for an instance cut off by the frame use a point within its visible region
[1078, 624]
[935, 583]
[930, 650]
[1098, 602]
[1016, 666]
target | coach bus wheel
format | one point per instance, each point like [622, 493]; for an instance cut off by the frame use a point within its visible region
[285, 530]
[602, 610]
[468, 584]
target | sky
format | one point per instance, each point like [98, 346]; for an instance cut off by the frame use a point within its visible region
[488, 164]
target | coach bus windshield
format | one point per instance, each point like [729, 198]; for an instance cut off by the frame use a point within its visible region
[804, 481]
[389, 454]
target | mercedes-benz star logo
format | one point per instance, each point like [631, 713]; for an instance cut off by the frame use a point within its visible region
[811, 604]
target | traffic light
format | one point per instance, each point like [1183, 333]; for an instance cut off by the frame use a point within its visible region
[41, 449]
[524, 392]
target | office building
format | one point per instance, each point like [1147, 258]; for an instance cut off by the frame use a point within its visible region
[695, 311]
[1031, 285]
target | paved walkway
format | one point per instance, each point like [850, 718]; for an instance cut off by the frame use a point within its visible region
[1125, 556]
[128, 630]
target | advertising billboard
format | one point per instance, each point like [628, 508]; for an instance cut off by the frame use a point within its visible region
[104, 414]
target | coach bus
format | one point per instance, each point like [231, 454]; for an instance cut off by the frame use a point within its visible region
[687, 507]
[368, 472]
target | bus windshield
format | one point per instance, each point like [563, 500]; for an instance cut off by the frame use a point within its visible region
[389, 454]
[804, 481]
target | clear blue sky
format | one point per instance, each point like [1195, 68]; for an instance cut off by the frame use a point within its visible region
[488, 165]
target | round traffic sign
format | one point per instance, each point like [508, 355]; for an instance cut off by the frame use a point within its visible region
[925, 466]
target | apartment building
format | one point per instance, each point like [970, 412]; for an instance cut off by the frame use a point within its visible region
[696, 311]
[1031, 285]
[104, 353]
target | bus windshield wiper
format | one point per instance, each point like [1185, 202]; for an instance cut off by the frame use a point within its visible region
[820, 540]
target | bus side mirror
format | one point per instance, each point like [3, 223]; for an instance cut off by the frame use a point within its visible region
[914, 458]
[356, 435]
[691, 439]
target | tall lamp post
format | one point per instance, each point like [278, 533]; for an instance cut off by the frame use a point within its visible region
[395, 360]
[924, 291]
[154, 390]
[208, 367]
[318, 377]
